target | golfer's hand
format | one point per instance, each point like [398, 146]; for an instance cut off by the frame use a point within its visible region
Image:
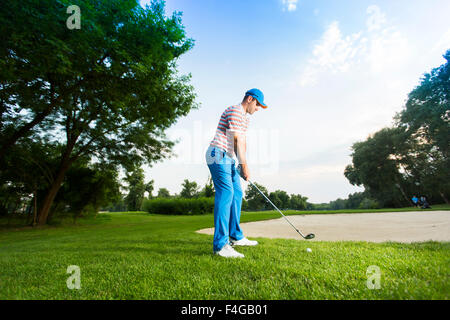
[244, 172]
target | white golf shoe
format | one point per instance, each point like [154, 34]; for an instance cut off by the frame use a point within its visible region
[244, 242]
[228, 252]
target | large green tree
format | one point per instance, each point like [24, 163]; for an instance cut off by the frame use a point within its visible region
[297, 202]
[189, 189]
[108, 90]
[426, 118]
[87, 188]
[149, 186]
[376, 167]
[427, 110]
[208, 190]
[413, 156]
[163, 193]
[280, 199]
[32, 162]
[136, 189]
[255, 200]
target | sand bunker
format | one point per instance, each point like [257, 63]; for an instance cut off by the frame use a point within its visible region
[374, 227]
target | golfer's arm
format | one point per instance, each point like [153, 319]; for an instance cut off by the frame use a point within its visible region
[240, 146]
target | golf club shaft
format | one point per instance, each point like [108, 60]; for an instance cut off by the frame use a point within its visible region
[277, 209]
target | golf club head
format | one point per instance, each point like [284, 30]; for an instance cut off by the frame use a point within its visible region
[308, 236]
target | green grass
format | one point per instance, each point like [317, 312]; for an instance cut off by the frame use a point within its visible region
[142, 256]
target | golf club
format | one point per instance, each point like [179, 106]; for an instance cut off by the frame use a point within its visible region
[307, 237]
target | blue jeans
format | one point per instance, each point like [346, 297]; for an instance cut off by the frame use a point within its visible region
[228, 198]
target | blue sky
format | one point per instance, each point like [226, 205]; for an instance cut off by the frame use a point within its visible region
[332, 72]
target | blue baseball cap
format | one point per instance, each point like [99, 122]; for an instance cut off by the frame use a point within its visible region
[258, 95]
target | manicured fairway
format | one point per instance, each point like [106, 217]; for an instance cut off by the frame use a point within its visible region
[142, 256]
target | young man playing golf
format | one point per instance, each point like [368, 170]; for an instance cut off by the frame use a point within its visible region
[229, 141]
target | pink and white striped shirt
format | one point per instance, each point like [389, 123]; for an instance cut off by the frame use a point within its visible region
[233, 119]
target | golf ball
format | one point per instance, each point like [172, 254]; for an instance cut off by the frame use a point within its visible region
[308, 250]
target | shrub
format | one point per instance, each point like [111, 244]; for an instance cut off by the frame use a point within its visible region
[369, 204]
[179, 206]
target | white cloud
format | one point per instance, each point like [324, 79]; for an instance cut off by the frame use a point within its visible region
[289, 5]
[333, 53]
[378, 47]
[387, 49]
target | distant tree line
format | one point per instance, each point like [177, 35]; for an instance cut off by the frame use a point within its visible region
[357, 200]
[254, 201]
[139, 191]
[412, 157]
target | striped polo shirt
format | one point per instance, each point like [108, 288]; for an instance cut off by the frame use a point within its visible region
[233, 119]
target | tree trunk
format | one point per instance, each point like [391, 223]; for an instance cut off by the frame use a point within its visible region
[35, 208]
[444, 197]
[403, 192]
[56, 185]
[66, 162]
